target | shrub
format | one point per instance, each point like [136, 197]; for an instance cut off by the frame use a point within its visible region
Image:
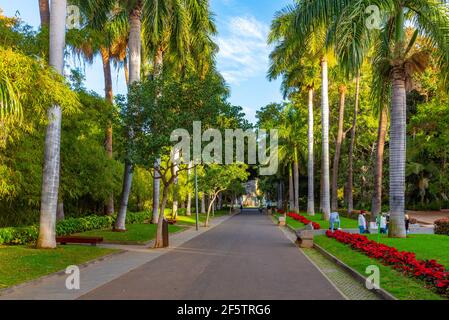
[442, 226]
[25, 235]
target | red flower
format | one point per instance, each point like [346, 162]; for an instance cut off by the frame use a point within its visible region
[428, 270]
[303, 220]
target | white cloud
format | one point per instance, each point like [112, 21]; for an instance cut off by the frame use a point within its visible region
[243, 50]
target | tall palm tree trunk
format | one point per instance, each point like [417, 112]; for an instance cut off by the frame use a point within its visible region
[310, 162]
[156, 191]
[291, 193]
[50, 179]
[134, 46]
[338, 142]
[397, 154]
[376, 206]
[105, 57]
[296, 182]
[44, 11]
[158, 65]
[325, 138]
[350, 182]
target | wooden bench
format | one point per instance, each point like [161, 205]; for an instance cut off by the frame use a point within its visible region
[172, 221]
[75, 239]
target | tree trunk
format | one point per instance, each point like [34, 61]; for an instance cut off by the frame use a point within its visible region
[203, 204]
[376, 206]
[134, 47]
[209, 209]
[325, 138]
[397, 154]
[310, 162]
[50, 179]
[60, 212]
[338, 142]
[189, 195]
[291, 193]
[175, 186]
[120, 224]
[44, 10]
[126, 70]
[350, 182]
[159, 239]
[109, 98]
[156, 191]
[220, 202]
[296, 182]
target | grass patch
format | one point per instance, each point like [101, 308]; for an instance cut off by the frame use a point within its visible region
[135, 234]
[425, 246]
[191, 220]
[20, 264]
[402, 287]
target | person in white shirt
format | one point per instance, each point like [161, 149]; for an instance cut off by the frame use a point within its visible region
[362, 222]
[334, 219]
[383, 224]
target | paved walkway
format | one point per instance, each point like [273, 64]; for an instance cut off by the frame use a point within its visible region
[99, 273]
[246, 257]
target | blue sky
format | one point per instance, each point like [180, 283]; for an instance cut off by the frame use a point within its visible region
[243, 59]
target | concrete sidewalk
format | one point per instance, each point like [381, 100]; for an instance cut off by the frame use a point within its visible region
[97, 274]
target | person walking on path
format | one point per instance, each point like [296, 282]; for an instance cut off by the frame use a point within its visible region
[362, 222]
[407, 223]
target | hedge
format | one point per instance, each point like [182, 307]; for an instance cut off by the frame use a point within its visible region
[25, 235]
[442, 226]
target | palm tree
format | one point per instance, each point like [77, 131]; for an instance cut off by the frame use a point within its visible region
[135, 48]
[44, 11]
[350, 180]
[398, 58]
[299, 71]
[342, 89]
[50, 179]
[109, 39]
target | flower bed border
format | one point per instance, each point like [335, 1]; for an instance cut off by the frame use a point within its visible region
[431, 272]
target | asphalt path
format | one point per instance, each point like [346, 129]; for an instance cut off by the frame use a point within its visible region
[246, 257]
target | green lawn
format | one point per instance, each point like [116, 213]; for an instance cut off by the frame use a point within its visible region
[426, 246]
[135, 234]
[402, 287]
[346, 223]
[21, 263]
[191, 221]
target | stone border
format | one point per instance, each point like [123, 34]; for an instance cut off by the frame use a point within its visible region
[355, 274]
[13, 288]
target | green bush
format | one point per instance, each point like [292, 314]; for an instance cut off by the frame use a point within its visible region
[25, 235]
[442, 226]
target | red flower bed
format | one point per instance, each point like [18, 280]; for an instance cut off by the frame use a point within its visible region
[280, 211]
[430, 271]
[303, 220]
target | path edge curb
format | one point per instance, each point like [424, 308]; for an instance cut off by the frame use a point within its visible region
[385, 295]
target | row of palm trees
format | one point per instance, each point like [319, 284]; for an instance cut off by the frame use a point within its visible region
[143, 36]
[322, 32]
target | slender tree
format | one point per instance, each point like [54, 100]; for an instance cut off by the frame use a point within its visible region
[50, 179]
[350, 181]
